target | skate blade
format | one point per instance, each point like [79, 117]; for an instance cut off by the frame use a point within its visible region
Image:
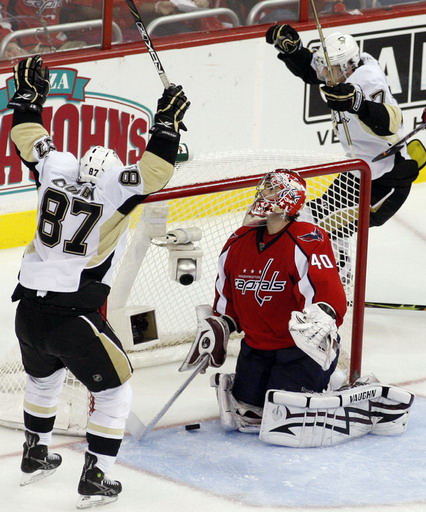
[94, 501]
[29, 478]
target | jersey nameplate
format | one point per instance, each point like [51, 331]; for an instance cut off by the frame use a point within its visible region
[83, 190]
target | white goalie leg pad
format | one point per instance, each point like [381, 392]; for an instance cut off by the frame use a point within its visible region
[302, 420]
[391, 411]
[223, 383]
[235, 415]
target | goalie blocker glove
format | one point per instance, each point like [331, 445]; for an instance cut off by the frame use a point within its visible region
[314, 331]
[285, 39]
[344, 98]
[32, 85]
[211, 338]
[171, 108]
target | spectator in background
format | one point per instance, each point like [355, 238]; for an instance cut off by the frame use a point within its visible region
[266, 15]
[149, 10]
[24, 15]
[12, 49]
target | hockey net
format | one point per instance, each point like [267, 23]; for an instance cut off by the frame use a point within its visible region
[154, 314]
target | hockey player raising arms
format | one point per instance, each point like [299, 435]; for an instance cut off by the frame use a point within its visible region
[355, 88]
[278, 283]
[65, 276]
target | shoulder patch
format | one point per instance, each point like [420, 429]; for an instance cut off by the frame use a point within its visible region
[43, 147]
[130, 176]
[313, 236]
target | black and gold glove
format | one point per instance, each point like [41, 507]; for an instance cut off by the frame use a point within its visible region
[32, 85]
[285, 38]
[171, 108]
[344, 97]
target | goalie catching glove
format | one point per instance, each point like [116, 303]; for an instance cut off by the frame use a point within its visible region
[211, 338]
[32, 85]
[171, 108]
[314, 331]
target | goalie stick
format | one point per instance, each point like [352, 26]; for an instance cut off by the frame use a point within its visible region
[400, 144]
[135, 426]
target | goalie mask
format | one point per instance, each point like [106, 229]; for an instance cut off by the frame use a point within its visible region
[281, 192]
[344, 57]
[95, 162]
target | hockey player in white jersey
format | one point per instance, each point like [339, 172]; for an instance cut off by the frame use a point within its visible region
[65, 277]
[355, 88]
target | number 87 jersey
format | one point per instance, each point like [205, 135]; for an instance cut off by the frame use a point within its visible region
[80, 225]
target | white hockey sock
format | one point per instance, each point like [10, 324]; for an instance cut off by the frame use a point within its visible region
[105, 462]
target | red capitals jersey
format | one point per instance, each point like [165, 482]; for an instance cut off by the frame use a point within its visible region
[259, 284]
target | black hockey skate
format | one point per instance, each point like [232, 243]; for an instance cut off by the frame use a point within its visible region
[37, 462]
[94, 489]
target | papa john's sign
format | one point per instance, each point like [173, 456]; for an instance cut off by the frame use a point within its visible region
[77, 119]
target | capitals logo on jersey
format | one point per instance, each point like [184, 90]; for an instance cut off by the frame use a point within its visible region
[261, 284]
[313, 236]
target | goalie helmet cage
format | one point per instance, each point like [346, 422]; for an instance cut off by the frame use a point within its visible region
[141, 280]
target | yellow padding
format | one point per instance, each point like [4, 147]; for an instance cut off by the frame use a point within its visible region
[417, 152]
[17, 229]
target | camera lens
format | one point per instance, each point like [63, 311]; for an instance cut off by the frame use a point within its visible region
[186, 279]
[186, 271]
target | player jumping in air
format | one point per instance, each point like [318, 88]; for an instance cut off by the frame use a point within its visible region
[354, 88]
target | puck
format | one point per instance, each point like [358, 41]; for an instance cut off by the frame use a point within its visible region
[194, 426]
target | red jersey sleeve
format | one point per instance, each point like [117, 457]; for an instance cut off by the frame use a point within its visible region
[318, 279]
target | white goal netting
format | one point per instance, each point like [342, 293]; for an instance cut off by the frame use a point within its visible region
[142, 278]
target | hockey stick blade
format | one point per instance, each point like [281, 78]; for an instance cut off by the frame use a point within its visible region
[400, 144]
[390, 305]
[134, 425]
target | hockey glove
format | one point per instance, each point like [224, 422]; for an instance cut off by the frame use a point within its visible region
[344, 98]
[314, 331]
[32, 85]
[285, 38]
[211, 338]
[170, 111]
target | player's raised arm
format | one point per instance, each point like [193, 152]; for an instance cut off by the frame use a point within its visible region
[31, 90]
[157, 163]
[291, 51]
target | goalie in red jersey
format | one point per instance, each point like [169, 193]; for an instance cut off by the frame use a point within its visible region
[279, 284]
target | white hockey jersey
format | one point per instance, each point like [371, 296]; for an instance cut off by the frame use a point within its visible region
[367, 144]
[81, 227]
